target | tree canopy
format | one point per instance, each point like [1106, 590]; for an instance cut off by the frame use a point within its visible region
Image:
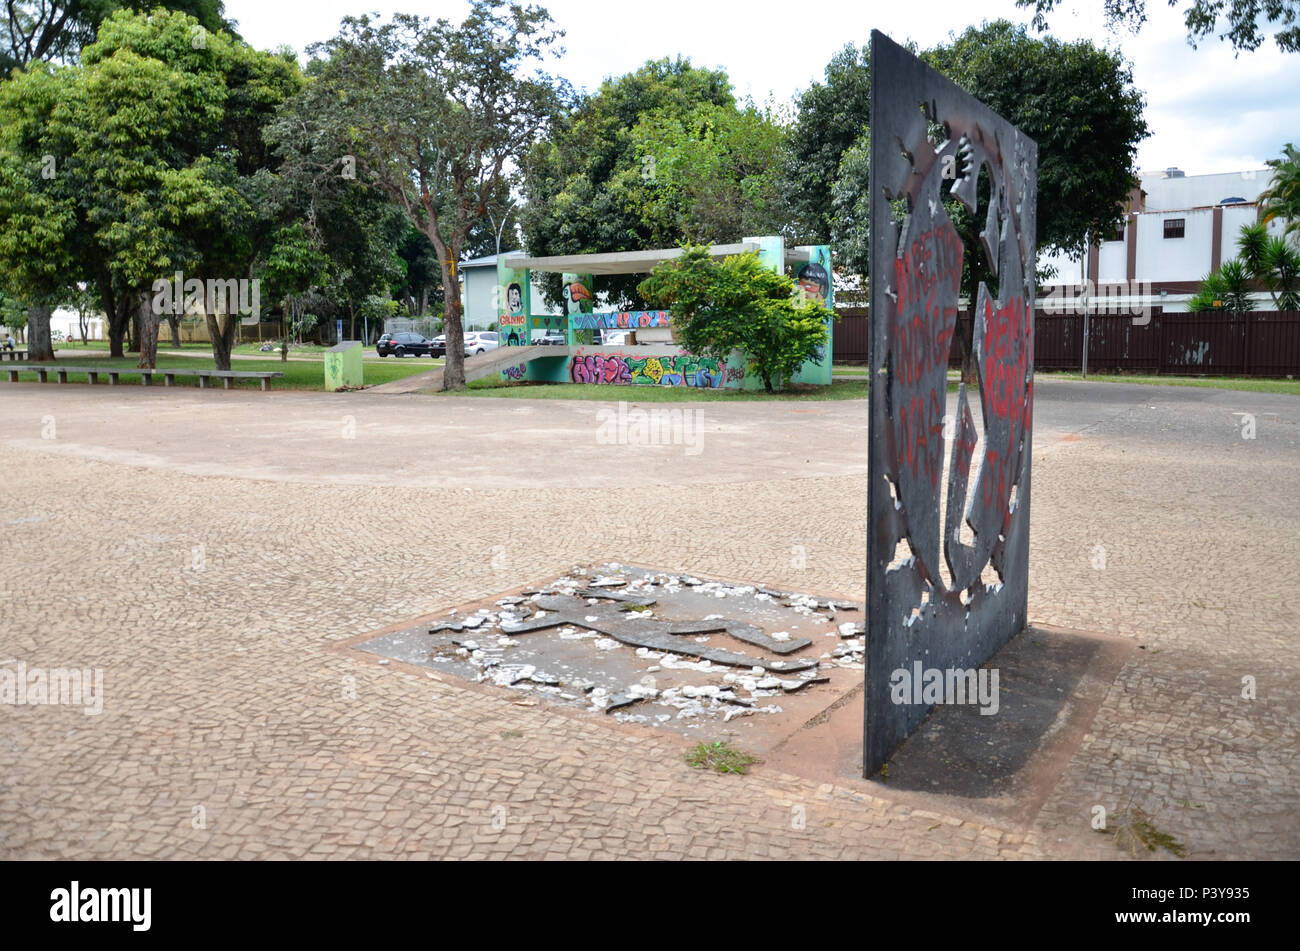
[57, 30]
[655, 158]
[433, 113]
[1242, 23]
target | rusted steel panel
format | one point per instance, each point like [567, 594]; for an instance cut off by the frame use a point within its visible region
[936, 598]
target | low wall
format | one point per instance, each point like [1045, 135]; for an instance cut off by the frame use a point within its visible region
[655, 365]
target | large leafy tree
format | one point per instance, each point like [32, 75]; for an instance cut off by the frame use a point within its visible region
[40, 227]
[434, 113]
[738, 304]
[56, 30]
[602, 182]
[711, 175]
[1243, 23]
[832, 116]
[159, 166]
[1078, 102]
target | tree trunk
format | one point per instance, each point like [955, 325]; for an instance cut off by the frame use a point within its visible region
[453, 372]
[115, 314]
[136, 329]
[39, 344]
[222, 337]
[147, 323]
[175, 324]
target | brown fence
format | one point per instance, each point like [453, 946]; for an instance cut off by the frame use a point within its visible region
[1262, 343]
[852, 336]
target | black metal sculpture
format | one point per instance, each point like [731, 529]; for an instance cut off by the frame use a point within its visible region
[948, 504]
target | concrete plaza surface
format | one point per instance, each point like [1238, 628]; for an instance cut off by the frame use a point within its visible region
[215, 553]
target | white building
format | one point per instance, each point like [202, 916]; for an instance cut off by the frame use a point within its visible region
[1177, 229]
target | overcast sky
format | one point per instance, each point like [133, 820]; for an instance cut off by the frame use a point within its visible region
[1208, 110]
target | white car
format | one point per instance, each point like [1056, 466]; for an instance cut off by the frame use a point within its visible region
[481, 342]
[614, 338]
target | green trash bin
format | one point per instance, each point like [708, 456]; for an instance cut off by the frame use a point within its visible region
[343, 366]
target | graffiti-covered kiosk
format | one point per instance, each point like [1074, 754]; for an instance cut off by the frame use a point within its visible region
[648, 356]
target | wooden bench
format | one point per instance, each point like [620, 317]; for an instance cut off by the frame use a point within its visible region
[169, 375]
[14, 355]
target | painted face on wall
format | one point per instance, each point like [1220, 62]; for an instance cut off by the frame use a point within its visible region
[515, 299]
[814, 281]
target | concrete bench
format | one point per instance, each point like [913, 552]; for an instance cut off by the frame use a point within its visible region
[169, 375]
[14, 355]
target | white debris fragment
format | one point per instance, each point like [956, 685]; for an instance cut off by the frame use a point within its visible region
[607, 644]
[781, 636]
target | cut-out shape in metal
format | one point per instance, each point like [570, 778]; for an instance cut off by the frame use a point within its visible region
[948, 502]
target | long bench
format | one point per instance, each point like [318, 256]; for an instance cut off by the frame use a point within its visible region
[169, 375]
[14, 355]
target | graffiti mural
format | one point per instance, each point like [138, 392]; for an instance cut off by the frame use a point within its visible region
[623, 320]
[622, 369]
[515, 373]
[948, 502]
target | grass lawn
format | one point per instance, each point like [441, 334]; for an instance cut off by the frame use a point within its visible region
[297, 375]
[1240, 383]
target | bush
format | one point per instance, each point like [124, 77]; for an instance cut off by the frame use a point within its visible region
[738, 304]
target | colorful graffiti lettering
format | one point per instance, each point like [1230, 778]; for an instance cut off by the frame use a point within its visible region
[735, 374]
[624, 320]
[515, 373]
[682, 370]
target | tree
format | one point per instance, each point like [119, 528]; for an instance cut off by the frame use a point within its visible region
[433, 113]
[850, 220]
[832, 117]
[158, 166]
[738, 304]
[1246, 21]
[1281, 200]
[588, 185]
[1078, 103]
[1273, 263]
[1228, 289]
[349, 224]
[37, 217]
[56, 30]
[709, 175]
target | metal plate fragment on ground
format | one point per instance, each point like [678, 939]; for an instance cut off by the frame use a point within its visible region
[651, 647]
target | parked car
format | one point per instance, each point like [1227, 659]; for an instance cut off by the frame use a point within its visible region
[552, 338]
[481, 342]
[401, 345]
[439, 345]
[614, 338]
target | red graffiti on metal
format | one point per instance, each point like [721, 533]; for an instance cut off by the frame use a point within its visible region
[1006, 394]
[927, 278]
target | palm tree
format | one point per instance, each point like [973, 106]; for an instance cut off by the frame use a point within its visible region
[1282, 198]
[1283, 262]
[1228, 289]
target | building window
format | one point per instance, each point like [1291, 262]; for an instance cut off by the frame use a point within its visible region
[1175, 227]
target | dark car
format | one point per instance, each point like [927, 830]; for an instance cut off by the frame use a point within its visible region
[402, 345]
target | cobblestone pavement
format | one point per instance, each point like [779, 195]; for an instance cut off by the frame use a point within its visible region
[210, 552]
